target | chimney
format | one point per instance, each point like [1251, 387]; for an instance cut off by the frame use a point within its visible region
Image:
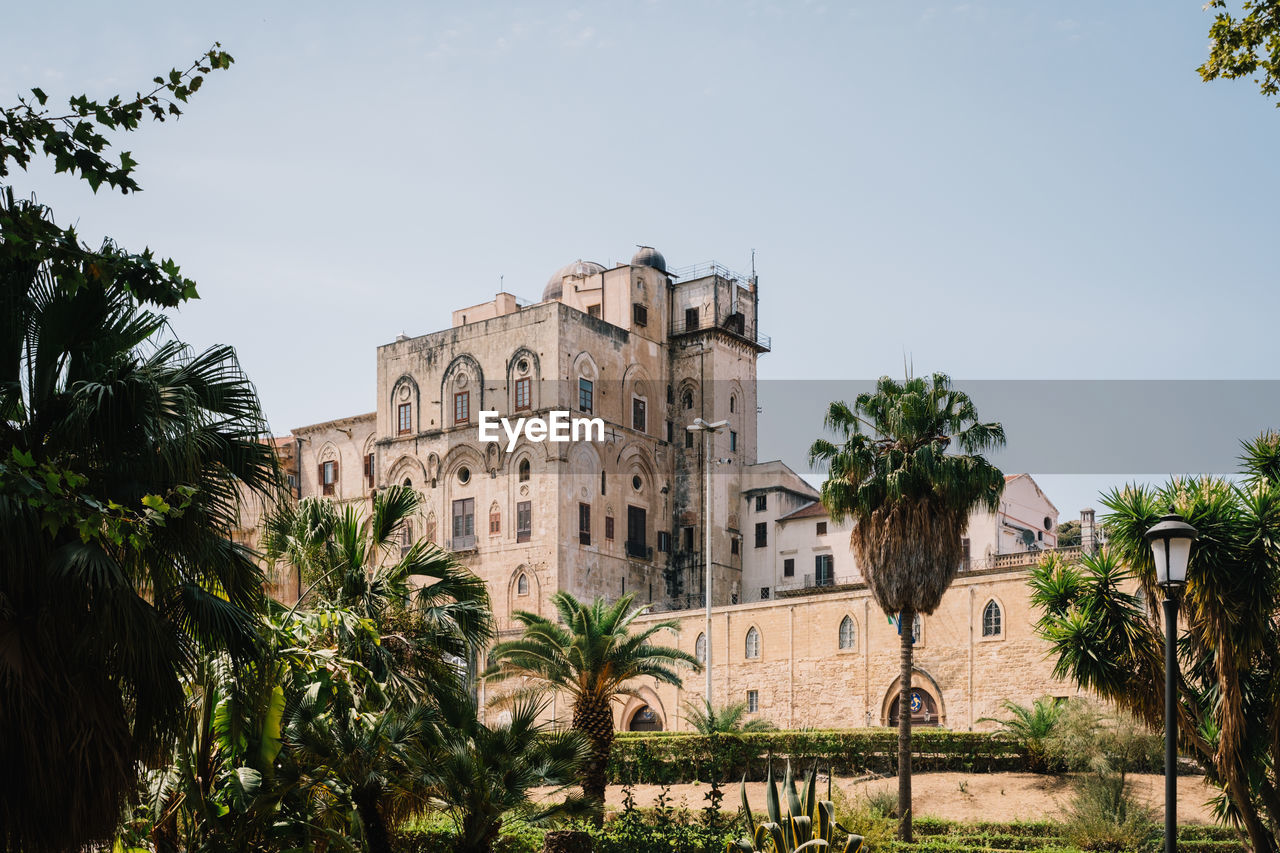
[1088, 531]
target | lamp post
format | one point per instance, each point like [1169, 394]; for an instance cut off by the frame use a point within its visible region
[710, 429]
[1170, 540]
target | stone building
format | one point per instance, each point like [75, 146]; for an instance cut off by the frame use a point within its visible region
[646, 350]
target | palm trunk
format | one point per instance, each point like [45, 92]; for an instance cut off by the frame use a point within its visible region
[595, 720]
[375, 828]
[906, 622]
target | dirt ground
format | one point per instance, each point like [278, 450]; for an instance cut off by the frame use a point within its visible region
[955, 796]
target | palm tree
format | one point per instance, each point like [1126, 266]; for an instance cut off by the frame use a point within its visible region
[431, 612]
[727, 719]
[125, 456]
[479, 774]
[592, 655]
[364, 758]
[1032, 726]
[908, 469]
[1110, 641]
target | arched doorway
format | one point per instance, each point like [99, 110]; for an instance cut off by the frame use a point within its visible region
[924, 710]
[644, 720]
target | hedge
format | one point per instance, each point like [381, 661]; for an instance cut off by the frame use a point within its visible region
[677, 757]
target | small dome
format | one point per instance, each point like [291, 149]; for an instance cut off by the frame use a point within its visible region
[649, 257]
[577, 269]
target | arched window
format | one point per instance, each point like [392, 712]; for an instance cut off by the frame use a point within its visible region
[686, 400]
[524, 470]
[408, 484]
[991, 619]
[917, 628]
[733, 403]
[700, 648]
[848, 633]
[406, 537]
[522, 584]
[753, 644]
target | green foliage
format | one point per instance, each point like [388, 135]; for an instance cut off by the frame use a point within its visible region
[483, 776]
[74, 139]
[1245, 46]
[1229, 685]
[355, 562]
[126, 455]
[592, 655]
[729, 718]
[908, 468]
[674, 757]
[807, 823]
[1069, 534]
[1032, 726]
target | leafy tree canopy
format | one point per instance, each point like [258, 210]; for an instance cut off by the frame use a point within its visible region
[1246, 46]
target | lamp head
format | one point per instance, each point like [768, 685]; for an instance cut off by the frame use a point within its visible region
[1171, 539]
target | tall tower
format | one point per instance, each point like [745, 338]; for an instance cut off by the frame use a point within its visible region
[714, 344]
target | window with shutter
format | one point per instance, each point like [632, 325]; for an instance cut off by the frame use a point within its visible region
[404, 422]
[584, 524]
[462, 407]
[524, 521]
[523, 396]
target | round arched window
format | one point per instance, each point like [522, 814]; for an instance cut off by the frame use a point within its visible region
[524, 470]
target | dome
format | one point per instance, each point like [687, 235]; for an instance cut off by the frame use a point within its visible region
[577, 269]
[649, 257]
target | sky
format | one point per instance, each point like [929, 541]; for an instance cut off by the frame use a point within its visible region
[995, 190]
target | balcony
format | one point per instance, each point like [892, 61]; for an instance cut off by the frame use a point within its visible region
[732, 323]
[639, 551]
[816, 583]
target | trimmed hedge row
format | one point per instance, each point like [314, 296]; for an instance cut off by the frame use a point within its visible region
[676, 757]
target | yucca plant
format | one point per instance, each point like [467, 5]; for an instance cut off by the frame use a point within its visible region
[809, 824]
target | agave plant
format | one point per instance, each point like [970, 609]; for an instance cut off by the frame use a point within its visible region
[807, 825]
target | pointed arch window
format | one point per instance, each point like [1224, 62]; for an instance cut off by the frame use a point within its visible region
[700, 649]
[991, 620]
[522, 584]
[753, 644]
[848, 633]
[524, 470]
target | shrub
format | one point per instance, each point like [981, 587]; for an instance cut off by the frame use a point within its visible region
[1032, 727]
[678, 757]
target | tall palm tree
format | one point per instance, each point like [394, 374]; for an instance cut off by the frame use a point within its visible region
[481, 775]
[124, 458]
[431, 612]
[592, 655]
[908, 469]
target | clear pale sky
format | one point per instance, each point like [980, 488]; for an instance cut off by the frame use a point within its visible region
[998, 190]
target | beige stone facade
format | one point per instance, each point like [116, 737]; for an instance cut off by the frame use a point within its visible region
[647, 350]
[808, 672]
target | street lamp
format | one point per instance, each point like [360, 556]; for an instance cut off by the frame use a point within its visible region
[1170, 540]
[699, 425]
